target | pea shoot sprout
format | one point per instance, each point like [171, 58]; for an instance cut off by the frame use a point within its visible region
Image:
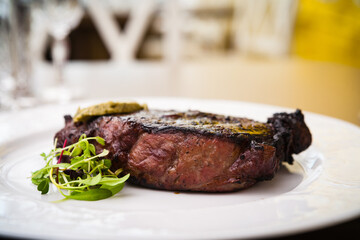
[85, 175]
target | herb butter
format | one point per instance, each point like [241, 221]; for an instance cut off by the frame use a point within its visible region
[82, 115]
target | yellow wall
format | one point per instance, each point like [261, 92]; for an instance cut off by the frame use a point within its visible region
[328, 31]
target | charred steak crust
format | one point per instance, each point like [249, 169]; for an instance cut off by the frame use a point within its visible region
[194, 151]
[291, 133]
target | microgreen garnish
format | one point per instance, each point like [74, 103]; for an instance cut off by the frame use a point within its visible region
[87, 175]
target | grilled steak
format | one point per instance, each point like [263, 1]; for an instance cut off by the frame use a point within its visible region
[194, 151]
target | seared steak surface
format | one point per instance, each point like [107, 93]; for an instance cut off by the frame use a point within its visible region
[194, 151]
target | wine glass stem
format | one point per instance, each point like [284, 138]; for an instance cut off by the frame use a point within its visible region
[59, 54]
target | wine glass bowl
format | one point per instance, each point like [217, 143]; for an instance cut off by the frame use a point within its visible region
[60, 16]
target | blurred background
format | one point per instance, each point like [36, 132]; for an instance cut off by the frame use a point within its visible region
[292, 53]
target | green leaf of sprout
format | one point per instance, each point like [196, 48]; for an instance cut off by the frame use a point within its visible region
[91, 181]
[87, 153]
[39, 175]
[83, 145]
[113, 181]
[100, 140]
[76, 152]
[43, 187]
[91, 195]
[114, 189]
[92, 149]
[107, 163]
[67, 153]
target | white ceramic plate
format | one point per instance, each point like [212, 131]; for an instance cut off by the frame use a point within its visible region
[320, 189]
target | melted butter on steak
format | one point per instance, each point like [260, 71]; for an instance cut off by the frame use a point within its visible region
[200, 122]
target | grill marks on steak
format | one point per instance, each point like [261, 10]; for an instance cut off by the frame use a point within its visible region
[195, 151]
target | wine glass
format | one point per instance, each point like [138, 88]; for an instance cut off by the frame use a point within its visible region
[15, 67]
[61, 16]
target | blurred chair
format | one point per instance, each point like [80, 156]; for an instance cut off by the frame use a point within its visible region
[264, 27]
[122, 75]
